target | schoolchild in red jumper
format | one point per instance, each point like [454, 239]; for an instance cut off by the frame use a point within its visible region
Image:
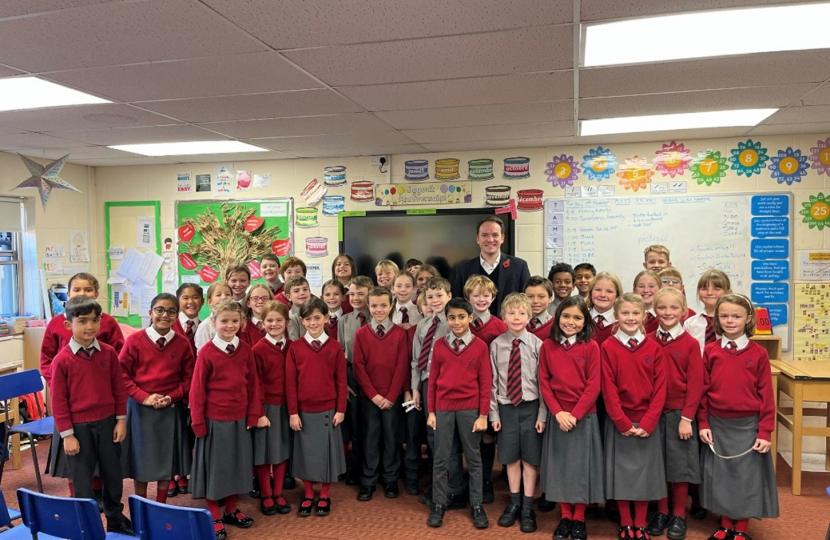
[684, 386]
[333, 294]
[269, 267]
[737, 416]
[634, 388]
[257, 296]
[380, 360]
[191, 299]
[291, 267]
[89, 407]
[272, 438]
[604, 290]
[316, 391]
[158, 365]
[343, 269]
[224, 404]
[540, 293]
[57, 336]
[646, 284]
[570, 380]
[405, 313]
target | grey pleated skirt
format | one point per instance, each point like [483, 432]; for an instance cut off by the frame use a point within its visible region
[573, 469]
[318, 448]
[743, 487]
[57, 466]
[518, 439]
[222, 461]
[682, 457]
[156, 446]
[634, 469]
[272, 445]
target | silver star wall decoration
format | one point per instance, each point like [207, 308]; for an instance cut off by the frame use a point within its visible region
[45, 179]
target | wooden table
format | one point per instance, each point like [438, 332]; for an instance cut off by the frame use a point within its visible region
[803, 381]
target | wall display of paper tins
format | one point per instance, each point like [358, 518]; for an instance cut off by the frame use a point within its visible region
[429, 193]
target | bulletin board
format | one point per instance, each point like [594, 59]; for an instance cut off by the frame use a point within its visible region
[131, 224]
[746, 235]
[811, 322]
[237, 230]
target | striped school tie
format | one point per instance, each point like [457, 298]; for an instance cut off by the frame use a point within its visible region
[632, 344]
[534, 323]
[599, 320]
[404, 315]
[566, 344]
[710, 329]
[361, 317]
[514, 374]
[160, 342]
[664, 337]
[316, 344]
[731, 346]
[457, 344]
[86, 353]
[230, 348]
[477, 323]
[260, 326]
[380, 331]
[189, 331]
[426, 346]
[649, 317]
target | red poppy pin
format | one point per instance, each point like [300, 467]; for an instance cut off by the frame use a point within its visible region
[506, 264]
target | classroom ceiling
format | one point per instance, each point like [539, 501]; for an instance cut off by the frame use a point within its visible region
[326, 78]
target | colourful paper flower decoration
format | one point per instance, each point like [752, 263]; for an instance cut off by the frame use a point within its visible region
[708, 168]
[820, 156]
[635, 173]
[599, 164]
[789, 166]
[748, 158]
[673, 159]
[816, 211]
[563, 171]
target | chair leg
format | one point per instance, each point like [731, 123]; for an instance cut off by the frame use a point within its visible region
[5, 449]
[34, 462]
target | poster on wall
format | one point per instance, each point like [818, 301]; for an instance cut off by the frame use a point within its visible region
[222, 179]
[428, 193]
[202, 183]
[78, 246]
[184, 182]
[213, 235]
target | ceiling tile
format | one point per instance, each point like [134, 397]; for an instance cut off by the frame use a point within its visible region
[9, 131]
[496, 53]
[141, 135]
[819, 96]
[498, 144]
[492, 133]
[35, 141]
[192, 78]
[289, 144]
[17, 8]
[792, 129]
[119, 33]
[801, 115]
[6, 71]
[296, 127]
[679, 102]
[593, 10]
[254, 106]
[712, 73]
[286, 25]
[463, 92]
[360, 151]
[480, 115]
[80, 153]
[81, 117]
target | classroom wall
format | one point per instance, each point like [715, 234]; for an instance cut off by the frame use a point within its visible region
[67, 210]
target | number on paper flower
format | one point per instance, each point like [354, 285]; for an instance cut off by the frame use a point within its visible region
[672, 159]
[599, 164]
[708, 168]
[820, 156]
[635, 173]
[748, 158]
[816, 212]
[789, 166]
[563, 171]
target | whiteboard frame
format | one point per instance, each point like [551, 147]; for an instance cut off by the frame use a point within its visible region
[786, 344]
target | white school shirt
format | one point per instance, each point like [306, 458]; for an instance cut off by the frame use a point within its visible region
[204, 333]
[623, 337]
[411, 310]
[222, 345]
[696, 327]
[742, 342]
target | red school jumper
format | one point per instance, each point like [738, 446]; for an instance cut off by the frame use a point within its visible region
[179, 329]
[57, 336]
[684, 373]
[543, 331]
[487, 332]
[315, 381]
[165, 371]
[270, 365]
[570, 379]
[381, 364]
[460, 381]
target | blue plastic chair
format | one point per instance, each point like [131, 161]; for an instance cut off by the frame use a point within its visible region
[156, 521]
[7, 515]
[16, 385]
[48, 516]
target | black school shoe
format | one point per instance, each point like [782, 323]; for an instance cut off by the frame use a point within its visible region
[527, 523]
[676, 529]
[174, 490]
[729, 534]
[120, 524]
[99, 498]
[657, 525]
[436, 516]
[563, 530]
[325, 509]
[578, 530]
[626, 532]
[268, 510]
[457, 501]
[221, 534]
[487, 494]
[544, 505]
[426, 497]
[237, 519]
[640, 533]
[480, 520]
[366, 493]
[741, 536]
[411, 488]
[305, 510]
[390, 490]
[697, 511]
[254, 493]
[289, 483]
[510, 515]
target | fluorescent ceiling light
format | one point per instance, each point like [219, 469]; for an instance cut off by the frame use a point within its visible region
[20, 93]
[189, 148]
[666, 122]
[705, 34]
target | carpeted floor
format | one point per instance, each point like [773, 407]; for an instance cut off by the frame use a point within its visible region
[803, 518]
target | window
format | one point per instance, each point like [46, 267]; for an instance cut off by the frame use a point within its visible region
[11, 272]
